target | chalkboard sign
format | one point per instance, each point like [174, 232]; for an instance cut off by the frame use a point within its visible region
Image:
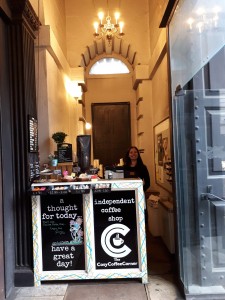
[62, 232]
[33, 134]
[115, 226]
[33, 166]
[64, 153]
[34, 170]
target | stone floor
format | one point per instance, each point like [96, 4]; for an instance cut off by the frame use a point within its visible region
[162, 284]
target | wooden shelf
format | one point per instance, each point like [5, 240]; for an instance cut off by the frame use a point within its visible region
[139, 100]
[83, 86]
[136, 83]
[81, 102]
[82, 119]
[140, 117]
[140, 133]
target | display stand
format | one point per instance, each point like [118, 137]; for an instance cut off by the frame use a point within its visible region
[89, 230]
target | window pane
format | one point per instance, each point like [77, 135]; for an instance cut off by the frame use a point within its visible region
[109, 66]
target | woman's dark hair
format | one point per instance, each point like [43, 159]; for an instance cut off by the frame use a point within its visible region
[127, 159]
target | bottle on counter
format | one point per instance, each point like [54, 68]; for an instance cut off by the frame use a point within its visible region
[76, 169]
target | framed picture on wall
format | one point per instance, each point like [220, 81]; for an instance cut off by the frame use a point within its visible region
[163, 169]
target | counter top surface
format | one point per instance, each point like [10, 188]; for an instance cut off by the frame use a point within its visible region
[99, 181]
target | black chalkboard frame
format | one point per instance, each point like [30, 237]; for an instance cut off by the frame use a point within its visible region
[65, 153]
[116, 230]
[62, 233]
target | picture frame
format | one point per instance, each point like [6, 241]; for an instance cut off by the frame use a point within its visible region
[162, 147]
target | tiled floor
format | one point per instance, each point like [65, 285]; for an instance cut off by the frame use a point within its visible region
[161, 286]
[161, 269]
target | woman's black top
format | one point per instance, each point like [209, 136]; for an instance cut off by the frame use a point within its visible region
[139, 171]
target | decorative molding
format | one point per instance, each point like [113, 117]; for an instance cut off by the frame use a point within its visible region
[23, 9]
[31, 16]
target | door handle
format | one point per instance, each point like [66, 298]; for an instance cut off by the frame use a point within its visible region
[210, 196]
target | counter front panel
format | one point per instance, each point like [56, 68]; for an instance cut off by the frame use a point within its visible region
[115, 227]
[96, 234]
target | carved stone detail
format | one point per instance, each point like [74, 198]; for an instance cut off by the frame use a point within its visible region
[31, 16]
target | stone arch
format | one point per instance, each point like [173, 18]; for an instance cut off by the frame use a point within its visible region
[118, 48]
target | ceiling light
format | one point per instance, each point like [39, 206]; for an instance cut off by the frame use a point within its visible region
[108, 30]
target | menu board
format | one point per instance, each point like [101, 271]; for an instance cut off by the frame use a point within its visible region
[34, 170]
[64, 153]
[62, 232]
[33, 134]
[115, 226]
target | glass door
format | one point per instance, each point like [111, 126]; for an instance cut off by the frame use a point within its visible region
[197, 61]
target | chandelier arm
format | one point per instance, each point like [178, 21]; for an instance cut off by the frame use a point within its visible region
[108, 30]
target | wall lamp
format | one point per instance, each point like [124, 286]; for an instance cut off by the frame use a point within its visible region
[75, 90]
[87, 125]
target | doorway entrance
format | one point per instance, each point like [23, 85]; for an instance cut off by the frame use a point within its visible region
[111, 131]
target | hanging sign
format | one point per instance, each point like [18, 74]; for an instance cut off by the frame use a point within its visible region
[33, 134]
[115, 226]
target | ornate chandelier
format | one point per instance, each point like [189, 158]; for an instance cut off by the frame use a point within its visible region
[108, 30]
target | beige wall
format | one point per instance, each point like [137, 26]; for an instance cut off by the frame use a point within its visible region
[81, 15]
[144, 122]
[143, 32]
[54, 15]
[117, 89]
[158, 73]
[160, 97]
[157, 9]
[57, 110]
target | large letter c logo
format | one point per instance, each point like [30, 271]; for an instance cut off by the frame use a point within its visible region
[106, 244]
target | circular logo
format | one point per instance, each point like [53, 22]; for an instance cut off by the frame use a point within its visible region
[108, 244]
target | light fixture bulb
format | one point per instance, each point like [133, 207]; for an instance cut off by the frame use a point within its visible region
[101, 16]
[117, 15]
[87, 125]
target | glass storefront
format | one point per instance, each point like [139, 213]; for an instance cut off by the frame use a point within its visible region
[197, 61]
[196, 33]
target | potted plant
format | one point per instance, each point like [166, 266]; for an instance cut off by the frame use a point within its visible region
[59, 137]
